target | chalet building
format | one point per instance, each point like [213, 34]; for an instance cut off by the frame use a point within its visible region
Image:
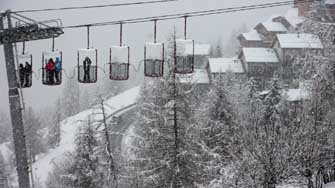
[251, 39]
[269, 30]
[303, 7]
[260, 63]
[220, 67]
[291, 20]
[288, 46]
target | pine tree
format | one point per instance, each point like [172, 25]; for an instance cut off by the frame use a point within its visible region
[86, 162]
[232, 46]
[215, 120]
[168, 156]
[218, 48]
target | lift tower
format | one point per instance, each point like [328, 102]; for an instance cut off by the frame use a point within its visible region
[25, 29]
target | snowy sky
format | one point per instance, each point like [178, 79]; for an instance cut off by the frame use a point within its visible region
[201, 29]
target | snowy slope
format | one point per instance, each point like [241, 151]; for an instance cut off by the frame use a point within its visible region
[70, 125]
[6, 152]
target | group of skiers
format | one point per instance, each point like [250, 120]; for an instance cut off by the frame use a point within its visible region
[25, 73]
[53, 69]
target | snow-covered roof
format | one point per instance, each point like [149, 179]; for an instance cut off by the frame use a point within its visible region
[330, 2]
[299, 40]
[296, 95]
[331, 184]
[292, 16]
[252, 35]
[274, 26]
[292, 95]
[199, 76]
[199, 49]
[260, 55]
[222, 65]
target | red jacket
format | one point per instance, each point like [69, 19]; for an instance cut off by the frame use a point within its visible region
[50, 66]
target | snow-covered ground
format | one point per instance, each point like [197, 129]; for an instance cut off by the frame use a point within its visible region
[6, 152]
[329, 185]
[70, 126]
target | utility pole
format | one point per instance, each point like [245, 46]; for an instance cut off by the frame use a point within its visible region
[16, 112]
[25, 30]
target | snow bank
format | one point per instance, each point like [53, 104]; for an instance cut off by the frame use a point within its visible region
[329, 185]
[70, 126]
[6, 152]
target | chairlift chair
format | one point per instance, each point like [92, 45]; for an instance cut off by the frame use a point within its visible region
[154, 59]
[119, 63]
[87, 65]
[184, 63]
[25, 63]
[54, 77]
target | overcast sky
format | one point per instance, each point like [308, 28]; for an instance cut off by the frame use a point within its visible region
[201, 29]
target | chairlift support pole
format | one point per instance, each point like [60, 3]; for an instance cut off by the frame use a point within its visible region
[22, 166]
[9, 36]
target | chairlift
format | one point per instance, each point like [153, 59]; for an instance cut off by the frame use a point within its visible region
[25, 64]
[154, 57]
[87, 65]
[52, 63]
[184, 63]
[184, 52]
[119, 63]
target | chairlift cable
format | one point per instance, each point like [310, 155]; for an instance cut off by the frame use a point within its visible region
[102, 68]
[70, 77]
[193, 14]
[93, 6]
